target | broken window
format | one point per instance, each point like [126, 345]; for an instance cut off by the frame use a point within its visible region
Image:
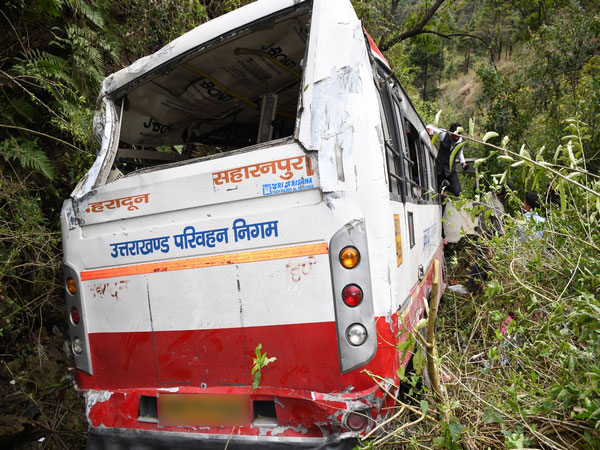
[393, 157]
[238, 90]
[414, 179]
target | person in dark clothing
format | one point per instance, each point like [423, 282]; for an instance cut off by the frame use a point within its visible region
[447, 178]
[448, 141]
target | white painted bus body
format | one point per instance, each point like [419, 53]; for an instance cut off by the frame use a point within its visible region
[183, 269]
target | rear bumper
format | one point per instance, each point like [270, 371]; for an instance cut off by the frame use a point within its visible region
[297, 414]
[117, 439]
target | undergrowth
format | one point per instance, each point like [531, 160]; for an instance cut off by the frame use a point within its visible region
[519, 352]
[522, 352]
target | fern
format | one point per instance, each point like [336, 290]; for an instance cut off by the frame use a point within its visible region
[41, 65]
[28, 155]
[90, 12]
[19, 109]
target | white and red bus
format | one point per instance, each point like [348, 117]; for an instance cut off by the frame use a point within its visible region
[262, 181]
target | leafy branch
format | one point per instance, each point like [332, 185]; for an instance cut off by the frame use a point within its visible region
[29, 130]
[523, 155]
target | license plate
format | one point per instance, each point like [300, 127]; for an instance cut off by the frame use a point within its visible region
[203, 410]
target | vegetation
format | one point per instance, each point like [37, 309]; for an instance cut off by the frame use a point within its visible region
[519, 353]
[527, 70]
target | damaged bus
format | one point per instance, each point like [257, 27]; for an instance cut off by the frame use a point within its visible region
[262, 189]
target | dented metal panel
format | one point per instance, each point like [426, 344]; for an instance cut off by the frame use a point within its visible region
[338, 100]
[106, 131]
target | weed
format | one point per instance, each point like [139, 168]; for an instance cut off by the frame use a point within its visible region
[259, 362]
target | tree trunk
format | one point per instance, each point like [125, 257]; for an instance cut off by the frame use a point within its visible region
[425, 80]
[500, 47]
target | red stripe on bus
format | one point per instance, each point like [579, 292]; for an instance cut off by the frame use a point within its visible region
[224, 357]
[207, 261]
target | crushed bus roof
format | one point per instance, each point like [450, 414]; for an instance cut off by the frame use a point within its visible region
[208, 85]
[251, 76]
[193, 41]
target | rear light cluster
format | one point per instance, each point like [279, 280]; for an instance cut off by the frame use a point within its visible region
[76, 320]
[352, 295]
[75, 316]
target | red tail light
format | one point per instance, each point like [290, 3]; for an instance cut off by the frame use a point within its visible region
[75, 317]
[352, 295]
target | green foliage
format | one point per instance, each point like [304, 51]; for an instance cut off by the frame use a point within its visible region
[426, 60]
[259, 362]
[515, 439]
[544, 364]
[557, 76]
[150, 27]
[27, 154]
[449, 436]
[500, 97]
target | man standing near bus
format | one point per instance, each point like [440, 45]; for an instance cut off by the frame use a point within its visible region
[448, 141]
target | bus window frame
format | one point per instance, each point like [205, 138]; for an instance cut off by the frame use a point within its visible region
[391, 102]
[388, 118]
[389, 90]
[410, 163]
[422, 150]
[429, 165]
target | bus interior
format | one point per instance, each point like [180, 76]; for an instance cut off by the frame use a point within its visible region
[235, 91]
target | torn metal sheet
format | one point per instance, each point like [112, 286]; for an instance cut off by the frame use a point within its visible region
[93, 397]
[107, 120]
[338, 81]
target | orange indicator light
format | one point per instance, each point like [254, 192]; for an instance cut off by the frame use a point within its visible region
[71, 286]
[349, 257]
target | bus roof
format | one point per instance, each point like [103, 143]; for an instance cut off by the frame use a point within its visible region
[191, 42]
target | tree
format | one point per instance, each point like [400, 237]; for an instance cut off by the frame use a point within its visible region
[426, 58]
[393, 22]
